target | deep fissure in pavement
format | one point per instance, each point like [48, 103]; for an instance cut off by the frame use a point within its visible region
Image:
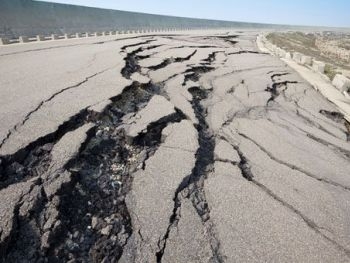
[248, 175]
[94, 221]
[195, 72]
[132, 58]
[168, 61]
[211, 57]
[339, 118]
[244, 165]
[35, 158]
[192, 186]
[105, 169]
[275, 89]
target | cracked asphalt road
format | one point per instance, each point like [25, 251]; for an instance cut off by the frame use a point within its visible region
[168, 148]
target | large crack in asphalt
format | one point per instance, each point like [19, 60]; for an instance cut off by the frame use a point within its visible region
[105, 171]
[248, 175]
[247, 52]
[123, 48]
[338, 118]
[93, 223]
[212, 57]
[131, 66]
[42, 103]
[195, 72]
[131, 59]
[275, 89]
[171, 60]
[310, 223]
[308, 120]
[192, 46]
[333, 115]
[192, 186]
[94, 220]
[182, 59]
[35, 158]
[294, 167]
[227, 39]
[342, 151]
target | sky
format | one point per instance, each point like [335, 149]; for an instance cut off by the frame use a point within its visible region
[334, 13]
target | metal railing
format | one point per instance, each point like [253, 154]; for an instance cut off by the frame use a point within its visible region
[40, 38]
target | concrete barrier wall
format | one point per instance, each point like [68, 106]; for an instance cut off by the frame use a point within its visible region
[32, 18]
[38, 38]
[318, 66]
[25, 39]
[340, 82]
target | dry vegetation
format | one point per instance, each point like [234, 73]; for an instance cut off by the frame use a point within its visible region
[310, 44]
[330, 71]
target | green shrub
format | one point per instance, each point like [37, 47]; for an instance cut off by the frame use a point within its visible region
[330, 71]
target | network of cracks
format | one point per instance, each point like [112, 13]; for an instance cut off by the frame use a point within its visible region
[86, 217]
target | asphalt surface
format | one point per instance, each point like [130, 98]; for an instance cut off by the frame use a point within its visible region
[168, 148]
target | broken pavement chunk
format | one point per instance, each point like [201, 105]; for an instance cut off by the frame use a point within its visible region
[157, 108]
[225, 152]
[68, 146]
[189, 241]
[153, 190]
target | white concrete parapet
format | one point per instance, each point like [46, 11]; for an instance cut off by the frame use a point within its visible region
[288, 55]
[40, 38]
[23, 39]
[280, 52]
[306, 60]
[341, 82]
[318, 66]
[277, 51]
[297, 57]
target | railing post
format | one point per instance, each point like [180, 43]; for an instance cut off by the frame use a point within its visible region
[23, 39]
[4, 41]
[54, 37]
[40, 38]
